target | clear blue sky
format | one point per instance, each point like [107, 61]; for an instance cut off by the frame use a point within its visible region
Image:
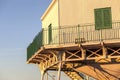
[19, 23]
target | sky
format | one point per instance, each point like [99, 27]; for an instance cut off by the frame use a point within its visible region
[19, 23]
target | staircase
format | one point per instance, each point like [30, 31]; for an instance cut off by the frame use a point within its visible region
[73, 75]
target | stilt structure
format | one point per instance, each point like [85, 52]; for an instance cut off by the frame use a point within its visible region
[81, 51]
[100, 60]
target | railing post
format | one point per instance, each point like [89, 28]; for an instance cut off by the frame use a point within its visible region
[100, 35]
[43, 36]
[78, 31]
[59, 35]
[64, 39]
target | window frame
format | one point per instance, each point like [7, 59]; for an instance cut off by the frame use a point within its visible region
[100, 23]
[49, 33]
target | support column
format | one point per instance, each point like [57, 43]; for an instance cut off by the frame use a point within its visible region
[42, 75]
[83, 52]
[60, 64]
[46, 75]
[41, 67]
[104, 50]
[59, 71]
[87, 78]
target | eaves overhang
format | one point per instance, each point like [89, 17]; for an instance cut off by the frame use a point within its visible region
[48, 9]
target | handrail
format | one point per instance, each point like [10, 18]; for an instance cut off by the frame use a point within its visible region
[73, 35]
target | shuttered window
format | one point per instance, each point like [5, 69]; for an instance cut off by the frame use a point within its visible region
[49, 33]
[103, 19]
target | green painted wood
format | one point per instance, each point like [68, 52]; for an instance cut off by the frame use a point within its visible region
[49, 33]
[35, 45]
[103, 19]
[98, 19]
[107, 18]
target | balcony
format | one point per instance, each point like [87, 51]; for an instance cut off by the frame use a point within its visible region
[78, 34]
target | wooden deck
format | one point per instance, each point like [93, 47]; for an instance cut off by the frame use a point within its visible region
[69, 47]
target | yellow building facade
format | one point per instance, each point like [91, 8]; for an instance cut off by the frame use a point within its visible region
[69, 13]
[81, 33]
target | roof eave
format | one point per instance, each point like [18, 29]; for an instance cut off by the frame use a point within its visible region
[48, 9]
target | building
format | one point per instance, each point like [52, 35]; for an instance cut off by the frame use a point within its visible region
[84, 34]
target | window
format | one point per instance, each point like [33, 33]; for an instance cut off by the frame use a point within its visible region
[103, 19]
[49, 33]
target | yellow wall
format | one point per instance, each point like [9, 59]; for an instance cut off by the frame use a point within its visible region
[50, 17]
[74, 12]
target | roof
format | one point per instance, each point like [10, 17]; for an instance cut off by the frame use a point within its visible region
[48, 9]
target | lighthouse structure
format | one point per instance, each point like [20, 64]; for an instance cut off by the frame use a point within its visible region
[79, 38]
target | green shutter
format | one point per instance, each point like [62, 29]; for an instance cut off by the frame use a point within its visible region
[49, 33]
[98, 19]
[103, 19]
[107, 18]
